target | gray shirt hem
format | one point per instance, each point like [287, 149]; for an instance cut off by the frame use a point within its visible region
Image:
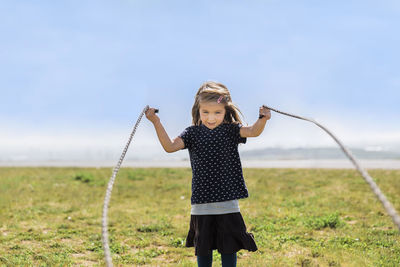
[215, 208]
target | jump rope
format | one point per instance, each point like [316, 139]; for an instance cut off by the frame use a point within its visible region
[382, 198]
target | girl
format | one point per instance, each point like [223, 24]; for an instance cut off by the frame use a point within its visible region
[217, 182]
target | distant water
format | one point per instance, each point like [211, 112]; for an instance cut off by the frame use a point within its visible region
[306, 163]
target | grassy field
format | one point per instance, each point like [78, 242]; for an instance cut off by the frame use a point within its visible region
[299, 217]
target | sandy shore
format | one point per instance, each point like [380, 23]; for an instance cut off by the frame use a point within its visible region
[330, 164]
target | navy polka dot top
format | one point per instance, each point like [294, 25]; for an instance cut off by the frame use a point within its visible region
[216, 167]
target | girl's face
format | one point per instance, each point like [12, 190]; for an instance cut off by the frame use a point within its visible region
[212, 114]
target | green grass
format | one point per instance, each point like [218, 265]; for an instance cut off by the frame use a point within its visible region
[299, 217]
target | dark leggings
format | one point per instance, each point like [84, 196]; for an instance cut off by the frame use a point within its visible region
[228, 260]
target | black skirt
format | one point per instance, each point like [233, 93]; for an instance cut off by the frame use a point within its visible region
[225, 232]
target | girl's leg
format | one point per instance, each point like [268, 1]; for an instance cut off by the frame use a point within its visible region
[228, 260]
[204, 261]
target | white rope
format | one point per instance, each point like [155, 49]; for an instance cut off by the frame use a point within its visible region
[107, 254]
[374, 187]
[106, 247]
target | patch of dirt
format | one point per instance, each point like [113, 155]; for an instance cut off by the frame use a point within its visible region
[81, 259]
[295, 251]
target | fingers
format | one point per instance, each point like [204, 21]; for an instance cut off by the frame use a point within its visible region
[151, 114]
[151, 111]
[264, 108]
[265, 112]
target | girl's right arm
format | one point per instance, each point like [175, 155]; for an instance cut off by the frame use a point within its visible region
[168, 145]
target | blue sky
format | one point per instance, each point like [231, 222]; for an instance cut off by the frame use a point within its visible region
[76, 74]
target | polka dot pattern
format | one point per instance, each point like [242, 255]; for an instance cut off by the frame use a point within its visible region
[216, 167]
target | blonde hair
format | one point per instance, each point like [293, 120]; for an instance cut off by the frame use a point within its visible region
[211, 92]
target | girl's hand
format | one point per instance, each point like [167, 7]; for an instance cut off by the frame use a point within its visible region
[265, 112]
[151, 115]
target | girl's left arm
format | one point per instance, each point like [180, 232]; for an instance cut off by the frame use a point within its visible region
[258, 127]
